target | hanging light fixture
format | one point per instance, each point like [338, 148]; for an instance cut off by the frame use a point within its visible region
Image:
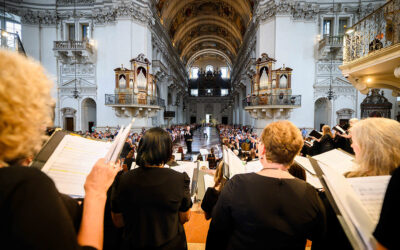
[330, 93]
[75, 92]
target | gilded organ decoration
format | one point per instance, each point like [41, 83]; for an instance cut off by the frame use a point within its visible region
[137, 84]
[268, 83]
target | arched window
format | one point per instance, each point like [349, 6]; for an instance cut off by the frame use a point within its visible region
[122, 82]
[209, 68]
[194, 72]
[283, 82]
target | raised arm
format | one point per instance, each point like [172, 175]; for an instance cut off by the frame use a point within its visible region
[97, 183]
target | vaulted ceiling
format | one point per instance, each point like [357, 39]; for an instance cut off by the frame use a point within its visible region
[206, 27]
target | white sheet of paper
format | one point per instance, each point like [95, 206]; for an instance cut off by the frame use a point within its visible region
[304, 163]
[187, 167]
[72, 161]
[313, 180]
[371, 191]
[338, 160]
[178, 156]
[236, 166]
[208, 181]
[253, 166]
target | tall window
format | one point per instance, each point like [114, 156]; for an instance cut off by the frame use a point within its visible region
[328, 27]
[209, 68]
[194, 92]
[71, 32]
[224, 72]
[343, 24]
[15, 28]
[84, 31]
[194, 73]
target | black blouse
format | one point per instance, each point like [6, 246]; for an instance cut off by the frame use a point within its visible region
[386, 231]
[150, 200]
[33, 214]
[254, 210]
[209, 200]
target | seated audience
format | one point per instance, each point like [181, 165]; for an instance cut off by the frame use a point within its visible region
[34, 215]
[152, 202]
[271, 208]
[211, 195]
[376, 144]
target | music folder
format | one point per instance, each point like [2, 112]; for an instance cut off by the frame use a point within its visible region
[356, 201]
[339, 130]
[68, 158]
[316, 134]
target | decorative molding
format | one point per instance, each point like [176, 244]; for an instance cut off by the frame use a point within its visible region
[298, 10]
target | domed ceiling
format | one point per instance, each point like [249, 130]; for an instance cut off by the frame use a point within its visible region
[206, 27]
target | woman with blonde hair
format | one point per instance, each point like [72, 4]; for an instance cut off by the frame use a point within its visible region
[325, 143]
[376, 144]
[212, 193]
[271, 206]
[34, 214]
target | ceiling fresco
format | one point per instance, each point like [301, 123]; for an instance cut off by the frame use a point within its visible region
[198, 27]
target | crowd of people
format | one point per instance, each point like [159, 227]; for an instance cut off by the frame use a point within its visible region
[268, 209]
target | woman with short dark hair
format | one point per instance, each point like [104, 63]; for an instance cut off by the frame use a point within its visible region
[152, 202]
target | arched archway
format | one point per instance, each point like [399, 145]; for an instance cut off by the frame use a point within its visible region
[88, 113]
[322, 113]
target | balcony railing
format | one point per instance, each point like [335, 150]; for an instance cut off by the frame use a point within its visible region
[72, 45]
[11, 41]
[128, 99]
[378, 30]
[331, 41]
[286, 100]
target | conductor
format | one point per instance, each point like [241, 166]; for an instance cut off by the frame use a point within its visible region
[188, 139]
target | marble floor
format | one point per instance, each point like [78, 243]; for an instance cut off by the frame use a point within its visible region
[200, 141]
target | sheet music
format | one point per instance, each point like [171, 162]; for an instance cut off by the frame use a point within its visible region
[187, 167]
[338, 160]
[305, 163]
[371, 191]
[72, 161]
[253, 166]
[178, 156]
[236, 166]
[208, 181]
[355, 213]
[313, 180]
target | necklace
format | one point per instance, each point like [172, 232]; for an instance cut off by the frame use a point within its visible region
[272, 169]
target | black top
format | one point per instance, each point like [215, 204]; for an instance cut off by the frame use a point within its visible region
[254, 210]
[33, 215]
[386, 231]
[209, 200]
[212, 161]
[188, 135]
[150, 200]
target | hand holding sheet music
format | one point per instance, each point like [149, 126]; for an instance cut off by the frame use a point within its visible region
[74, 158]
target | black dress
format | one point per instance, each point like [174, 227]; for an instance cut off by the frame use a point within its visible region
[33, 214]
[255, 211]
[209, 200]
[386, 232]
[326, 144]
[150, 200]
